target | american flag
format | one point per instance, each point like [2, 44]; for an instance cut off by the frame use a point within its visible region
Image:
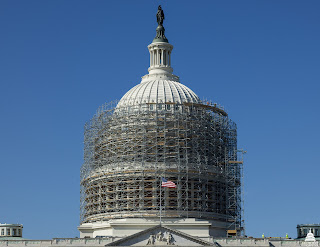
[168, 184]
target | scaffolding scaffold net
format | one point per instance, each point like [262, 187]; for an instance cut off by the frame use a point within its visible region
[127, 150]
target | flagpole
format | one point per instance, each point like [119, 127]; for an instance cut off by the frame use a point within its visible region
[160, 199]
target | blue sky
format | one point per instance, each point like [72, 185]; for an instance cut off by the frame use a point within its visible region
[60, 60]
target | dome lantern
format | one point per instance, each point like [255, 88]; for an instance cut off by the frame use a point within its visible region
[160, 49]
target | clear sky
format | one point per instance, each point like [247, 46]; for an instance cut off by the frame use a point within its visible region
[60, 60]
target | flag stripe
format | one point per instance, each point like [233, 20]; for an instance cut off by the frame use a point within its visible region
[168, 184]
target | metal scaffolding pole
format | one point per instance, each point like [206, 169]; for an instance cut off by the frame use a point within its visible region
[128, 149]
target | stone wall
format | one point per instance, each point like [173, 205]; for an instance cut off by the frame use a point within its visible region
[92, 242]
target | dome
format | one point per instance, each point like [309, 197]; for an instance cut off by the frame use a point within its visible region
[158, 91]
[310, 237]
[160, 129]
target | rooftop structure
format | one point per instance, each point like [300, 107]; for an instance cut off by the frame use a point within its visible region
[10, 231]
[160, 129]
[304, 229]
[310, 237]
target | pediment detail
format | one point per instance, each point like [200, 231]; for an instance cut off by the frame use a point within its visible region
[160, 236]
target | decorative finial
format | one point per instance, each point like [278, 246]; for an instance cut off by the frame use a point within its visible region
[160, 37]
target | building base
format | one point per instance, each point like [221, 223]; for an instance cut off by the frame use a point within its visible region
[121, 228]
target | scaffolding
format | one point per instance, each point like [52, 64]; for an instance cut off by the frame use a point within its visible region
[127, 150]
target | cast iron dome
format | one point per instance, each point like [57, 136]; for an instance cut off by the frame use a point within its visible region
[160, 85]
[160, 129]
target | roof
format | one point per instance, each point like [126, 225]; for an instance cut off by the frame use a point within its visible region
[158, 91]
[10, 225]
[11, 238]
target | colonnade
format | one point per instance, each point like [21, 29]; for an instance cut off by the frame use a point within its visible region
[10, 230]
[160, 57]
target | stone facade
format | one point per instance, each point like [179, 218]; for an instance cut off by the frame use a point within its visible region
[158, 236]
[89, 242]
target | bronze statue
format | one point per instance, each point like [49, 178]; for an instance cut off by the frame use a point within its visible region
[160, 16]
[160, 37]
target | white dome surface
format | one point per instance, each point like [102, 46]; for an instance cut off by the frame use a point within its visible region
[158, 91]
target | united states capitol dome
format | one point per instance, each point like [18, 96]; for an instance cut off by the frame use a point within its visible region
[158, 91]
[160, 85]
[160, 129]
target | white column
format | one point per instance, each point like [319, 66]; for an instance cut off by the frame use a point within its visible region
[151, 58]
[155, 57]
[169, 58]
[162, 57]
